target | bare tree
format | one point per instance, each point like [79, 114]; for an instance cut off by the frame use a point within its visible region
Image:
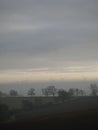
[63, 94]
[50, 90]
[77, 91]
[82, 92]
[13, 92]
[31, 92]
[71, 91]
[94, 89]
[45, 92]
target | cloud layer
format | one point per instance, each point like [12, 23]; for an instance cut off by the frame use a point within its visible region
[49, 34]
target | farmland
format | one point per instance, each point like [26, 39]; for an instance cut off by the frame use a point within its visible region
[75, 112]
[16, 102]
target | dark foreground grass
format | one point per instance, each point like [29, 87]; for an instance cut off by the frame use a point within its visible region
[73, 120]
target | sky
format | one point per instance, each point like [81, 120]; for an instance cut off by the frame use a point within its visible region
[48, 40]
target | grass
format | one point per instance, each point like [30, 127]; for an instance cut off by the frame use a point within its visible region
[81, 119]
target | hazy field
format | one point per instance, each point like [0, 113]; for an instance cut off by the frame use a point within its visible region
[16, 102]
[74, 113]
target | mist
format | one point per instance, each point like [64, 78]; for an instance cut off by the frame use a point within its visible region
[23, 87]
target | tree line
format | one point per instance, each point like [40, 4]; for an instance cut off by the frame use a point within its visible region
[7, 114]
[53, 91]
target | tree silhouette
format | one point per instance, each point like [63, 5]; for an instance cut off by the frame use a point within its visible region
[13, 92]
[94, 89]
[71, 91]
[45, 92]
[63, 94]
[31, 92]
[77, 91]
[81, 92]
[50, 90]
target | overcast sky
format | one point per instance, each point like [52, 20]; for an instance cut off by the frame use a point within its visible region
[43, 40]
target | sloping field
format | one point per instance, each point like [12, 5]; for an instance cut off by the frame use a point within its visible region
[78, 113]
[75, 105]
[16, 102]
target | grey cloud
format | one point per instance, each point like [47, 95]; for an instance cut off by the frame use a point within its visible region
[50, 30]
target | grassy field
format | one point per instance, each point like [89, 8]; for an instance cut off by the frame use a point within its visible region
[73, 120]
[81, 112]
[16, 102]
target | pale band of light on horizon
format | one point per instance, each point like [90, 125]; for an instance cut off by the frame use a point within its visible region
[43, 75]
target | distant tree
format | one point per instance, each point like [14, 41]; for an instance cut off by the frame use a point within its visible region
[50, 90]
[45, 92]
[63, 94]
[94, 89]
[13, 92]
[71, 91]
[31, 92]
[82, 92]
[77, 91]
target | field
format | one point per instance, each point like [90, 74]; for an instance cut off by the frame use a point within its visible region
[16, 102]
[73, 113]
[74, 120]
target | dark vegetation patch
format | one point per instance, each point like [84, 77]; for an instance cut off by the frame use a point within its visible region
[82, 119]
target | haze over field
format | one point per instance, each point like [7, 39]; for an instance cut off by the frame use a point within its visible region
[42, 41]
